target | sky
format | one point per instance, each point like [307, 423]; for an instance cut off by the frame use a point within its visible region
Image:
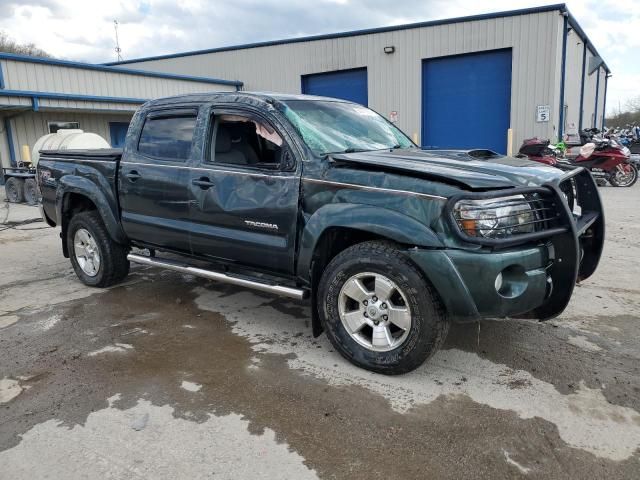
[83, 30]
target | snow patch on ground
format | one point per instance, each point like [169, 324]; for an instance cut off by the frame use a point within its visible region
[147, 441]
[582, 342]
[6, 320]
[511, 461]
[48, 323]
[585, 419]
[115, 348]
[9, 389]
[190, 386]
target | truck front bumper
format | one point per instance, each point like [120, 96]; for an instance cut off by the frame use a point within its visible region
[473, 285]
[534, 280]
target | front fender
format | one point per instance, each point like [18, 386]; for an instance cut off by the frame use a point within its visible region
[380, 221]
[100, 194]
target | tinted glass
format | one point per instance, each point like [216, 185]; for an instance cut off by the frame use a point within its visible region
[167, 137]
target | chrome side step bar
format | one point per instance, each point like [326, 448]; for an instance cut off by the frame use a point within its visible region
[290, 292]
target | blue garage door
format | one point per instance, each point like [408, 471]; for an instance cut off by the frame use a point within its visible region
[118, 132]
[345, 84]
[466, 101]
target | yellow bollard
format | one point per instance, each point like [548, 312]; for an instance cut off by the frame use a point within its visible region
[26, 154]
[510, 142]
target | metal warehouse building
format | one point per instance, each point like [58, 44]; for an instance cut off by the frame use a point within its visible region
[39, 96]
[458, 83]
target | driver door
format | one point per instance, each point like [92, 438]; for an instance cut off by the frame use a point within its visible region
[244, 194]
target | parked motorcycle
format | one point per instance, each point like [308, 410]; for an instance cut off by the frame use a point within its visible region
[540, 151]
[605, 158]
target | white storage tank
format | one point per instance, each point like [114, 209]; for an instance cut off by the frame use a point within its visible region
[71, 139]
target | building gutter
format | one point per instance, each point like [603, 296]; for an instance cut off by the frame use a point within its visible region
[563, 67]
[120, 70]
[9, 133]
[595, 109]
[604, 103]
[69, 96]
[582, 81]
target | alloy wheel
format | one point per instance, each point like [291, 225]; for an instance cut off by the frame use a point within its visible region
[87, 252]
[374, 311]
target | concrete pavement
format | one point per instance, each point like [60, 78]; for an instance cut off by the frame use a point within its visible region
[169, 376]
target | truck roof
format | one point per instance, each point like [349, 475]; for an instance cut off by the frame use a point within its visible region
[212, 96]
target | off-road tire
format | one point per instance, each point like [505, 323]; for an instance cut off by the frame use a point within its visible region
[30, 191]
[14, 188]
[429, 320]
[114, 266]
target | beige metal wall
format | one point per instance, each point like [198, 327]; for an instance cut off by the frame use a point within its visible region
[94, 114]
[40, 77]
[573, 75]
[394, 81]
[573, 82]
[28, 126]
[590, 82]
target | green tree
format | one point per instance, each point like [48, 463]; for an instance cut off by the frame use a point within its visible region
[630, 115]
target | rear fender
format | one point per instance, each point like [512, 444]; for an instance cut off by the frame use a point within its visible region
[101, 195]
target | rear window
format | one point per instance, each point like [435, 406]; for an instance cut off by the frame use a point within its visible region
[167, 137]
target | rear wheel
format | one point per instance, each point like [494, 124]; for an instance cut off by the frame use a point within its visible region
[30, 191]
[14, 189]
[624, 178]
[378, 310]
[96, 258]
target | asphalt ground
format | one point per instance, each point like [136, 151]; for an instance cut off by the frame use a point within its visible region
[170, 376]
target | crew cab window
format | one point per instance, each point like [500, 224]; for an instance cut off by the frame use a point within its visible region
[167, 137]
[241, 140]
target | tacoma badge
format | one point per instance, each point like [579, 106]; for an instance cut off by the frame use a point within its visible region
[270, 226]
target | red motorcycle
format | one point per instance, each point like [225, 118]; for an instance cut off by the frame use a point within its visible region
[605, 158]
[539, 150]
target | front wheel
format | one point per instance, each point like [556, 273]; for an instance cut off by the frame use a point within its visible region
[379, 311]
[622, 178]
[97, 260]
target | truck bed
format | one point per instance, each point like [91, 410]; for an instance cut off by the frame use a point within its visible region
[93, 172]
[105, 154]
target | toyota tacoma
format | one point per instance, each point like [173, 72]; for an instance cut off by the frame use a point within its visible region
[322, 199]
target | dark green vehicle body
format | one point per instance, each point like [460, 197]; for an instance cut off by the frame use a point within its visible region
[284, 224]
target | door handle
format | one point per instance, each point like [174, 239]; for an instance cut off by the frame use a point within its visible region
[133, 175]
[204, 183]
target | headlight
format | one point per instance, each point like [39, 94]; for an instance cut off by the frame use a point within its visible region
[495, 217]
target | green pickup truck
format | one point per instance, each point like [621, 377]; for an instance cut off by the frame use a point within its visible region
[321, 199]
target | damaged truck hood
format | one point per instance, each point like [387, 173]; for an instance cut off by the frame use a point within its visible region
[470, 169]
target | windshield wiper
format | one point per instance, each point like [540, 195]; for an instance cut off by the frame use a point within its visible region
[346, 150]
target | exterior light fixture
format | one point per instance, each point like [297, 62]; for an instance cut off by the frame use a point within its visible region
[389, 50]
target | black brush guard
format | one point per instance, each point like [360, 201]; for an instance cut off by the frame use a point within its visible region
[574, 240]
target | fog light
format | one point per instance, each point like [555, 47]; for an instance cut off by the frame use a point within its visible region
[512, 281]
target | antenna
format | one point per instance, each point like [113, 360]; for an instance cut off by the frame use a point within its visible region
[118, 49]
